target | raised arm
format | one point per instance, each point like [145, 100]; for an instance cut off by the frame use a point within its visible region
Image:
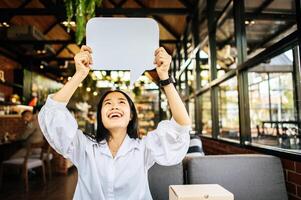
[82, 60]
[178, 110]
[58, 125]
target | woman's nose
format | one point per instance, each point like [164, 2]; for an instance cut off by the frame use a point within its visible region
[115, 107]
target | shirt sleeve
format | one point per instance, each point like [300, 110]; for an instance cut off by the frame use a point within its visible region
[61, 130]
[167, 145]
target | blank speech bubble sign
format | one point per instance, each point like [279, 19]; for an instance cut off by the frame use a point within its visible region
[123, 44]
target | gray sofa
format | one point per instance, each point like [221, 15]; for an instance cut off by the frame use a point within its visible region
[248, 177]
[161, 177]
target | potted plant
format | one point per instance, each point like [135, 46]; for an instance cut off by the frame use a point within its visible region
[82, 10]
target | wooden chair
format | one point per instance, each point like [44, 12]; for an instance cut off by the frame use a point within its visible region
[47, 157]
[26, 163]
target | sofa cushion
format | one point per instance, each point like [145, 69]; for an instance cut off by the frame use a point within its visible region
[248, 177]
[161, 177]
[195, 146]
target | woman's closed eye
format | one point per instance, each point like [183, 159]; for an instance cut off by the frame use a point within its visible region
[122, 102]
[107, 103]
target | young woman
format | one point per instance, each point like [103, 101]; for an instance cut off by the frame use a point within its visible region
[114, 165]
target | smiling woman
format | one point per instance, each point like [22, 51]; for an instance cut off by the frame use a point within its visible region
[114, 164]
[117, 116]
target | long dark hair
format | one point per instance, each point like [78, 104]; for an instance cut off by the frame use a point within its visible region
[103, 133]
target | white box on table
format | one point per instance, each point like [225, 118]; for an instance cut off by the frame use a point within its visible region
[199, 192]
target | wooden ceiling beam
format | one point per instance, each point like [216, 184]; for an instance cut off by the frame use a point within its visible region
[50, 5]
[186, 4]
[61, 49]
[257, 11]
[263, 6]
[9, 55]
[8, 18]
[60, 11]
[270, 38]
[167, 26]
[51, 27]
[41, 42]
[118, 5]
[121, 3]
[113, 3]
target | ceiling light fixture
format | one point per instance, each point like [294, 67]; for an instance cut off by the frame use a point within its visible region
[71, 23]
[4, 24]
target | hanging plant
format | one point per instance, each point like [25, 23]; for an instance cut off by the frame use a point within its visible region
[82, 10]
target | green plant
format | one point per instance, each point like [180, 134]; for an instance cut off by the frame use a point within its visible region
[82, 10]
[137, 91]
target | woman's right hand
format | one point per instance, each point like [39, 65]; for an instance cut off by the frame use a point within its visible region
[83, 60]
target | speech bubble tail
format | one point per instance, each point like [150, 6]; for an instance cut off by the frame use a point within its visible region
[135, 76]
[132, 83]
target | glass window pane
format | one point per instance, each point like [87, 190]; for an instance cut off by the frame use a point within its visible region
[206, 114]
[225, 42]
[272, 107]
[191, 78]
[192, 112]
[205, 68]
[228, 109]
[183, 85]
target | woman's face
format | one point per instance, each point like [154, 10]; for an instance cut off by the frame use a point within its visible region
[115, 111]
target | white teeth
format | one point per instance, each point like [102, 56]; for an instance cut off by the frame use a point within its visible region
[113, 115]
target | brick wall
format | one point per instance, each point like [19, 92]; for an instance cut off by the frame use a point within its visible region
[7, 90]
[8, 67]
[292, 169]
[16, 126]
[12, 125]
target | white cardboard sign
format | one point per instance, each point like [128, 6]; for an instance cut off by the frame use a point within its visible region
[123, 44]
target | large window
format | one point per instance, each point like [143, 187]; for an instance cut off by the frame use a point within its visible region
[265, 82]
[182, 85]
[191, 78]
[206, 114]
[192, 112]
[204, 67]
[272, 107]
[225, 41]
[228, 109]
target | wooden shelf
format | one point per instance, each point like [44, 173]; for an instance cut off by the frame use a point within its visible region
[10, 116]
[6, 83]
[6, 103]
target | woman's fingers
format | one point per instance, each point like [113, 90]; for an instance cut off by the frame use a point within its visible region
[85, 48]
[161, 61]
[160, 49]
[161, 57]
[90, 59]
[84, 58]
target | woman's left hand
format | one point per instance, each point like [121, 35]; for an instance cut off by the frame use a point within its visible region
[162, 60]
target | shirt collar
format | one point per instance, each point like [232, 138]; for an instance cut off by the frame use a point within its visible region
[127, 145]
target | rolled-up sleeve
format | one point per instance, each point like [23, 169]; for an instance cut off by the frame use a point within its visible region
[167, 145]
[61, 130]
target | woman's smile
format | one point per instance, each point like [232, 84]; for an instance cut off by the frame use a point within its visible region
[115, 115]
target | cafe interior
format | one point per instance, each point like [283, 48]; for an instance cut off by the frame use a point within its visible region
[236, 66]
